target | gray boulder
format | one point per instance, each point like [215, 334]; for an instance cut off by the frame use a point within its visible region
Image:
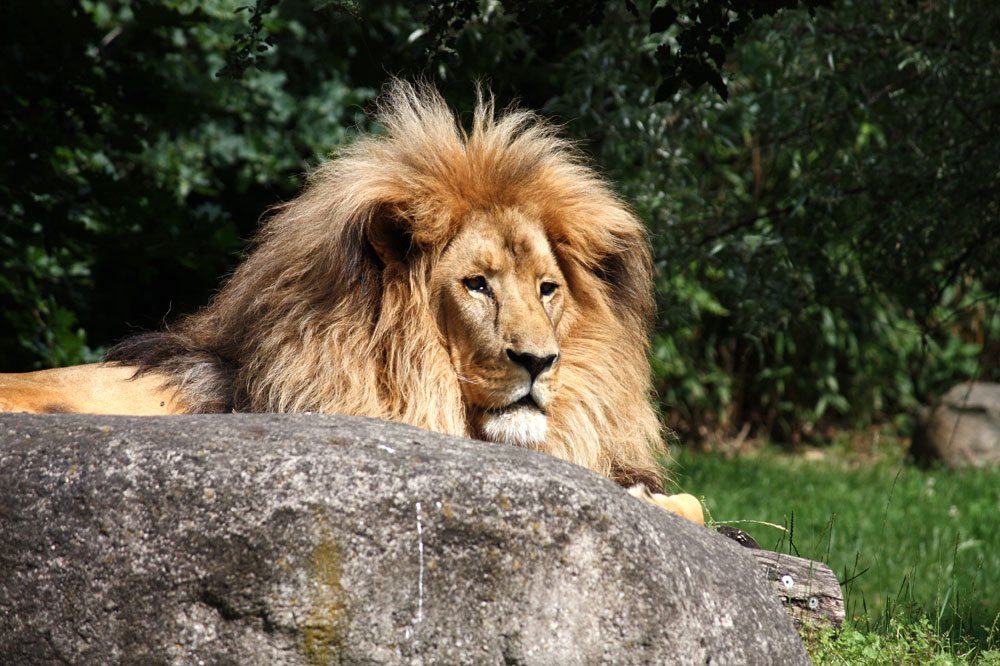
[309, 539]
[962, 428]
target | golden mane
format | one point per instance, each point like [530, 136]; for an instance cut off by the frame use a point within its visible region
[315, 320]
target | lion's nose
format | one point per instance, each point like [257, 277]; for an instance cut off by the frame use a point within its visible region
[535, 365]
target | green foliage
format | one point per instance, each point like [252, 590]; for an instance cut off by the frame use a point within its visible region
[249, 46]
[702, 32]
[131, 175]
[903, 644]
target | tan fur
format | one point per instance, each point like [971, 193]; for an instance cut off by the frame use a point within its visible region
[87, 389]
[350, 300]
[683, 504]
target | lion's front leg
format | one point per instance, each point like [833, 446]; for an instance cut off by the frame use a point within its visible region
[683, 504]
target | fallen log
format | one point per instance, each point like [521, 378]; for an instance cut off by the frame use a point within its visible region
[808, 590]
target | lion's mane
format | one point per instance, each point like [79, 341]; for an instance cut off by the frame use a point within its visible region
[315, 320]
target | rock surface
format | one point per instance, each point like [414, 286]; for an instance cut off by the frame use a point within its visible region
[309, 539]
[962, 428]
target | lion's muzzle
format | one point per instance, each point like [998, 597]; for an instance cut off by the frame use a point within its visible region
[535, 365]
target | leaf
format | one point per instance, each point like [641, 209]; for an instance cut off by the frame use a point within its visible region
[662, 18]
[668, 89]
[717, 54]
[715, 79]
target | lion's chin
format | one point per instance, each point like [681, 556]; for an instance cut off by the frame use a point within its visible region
[521, 425]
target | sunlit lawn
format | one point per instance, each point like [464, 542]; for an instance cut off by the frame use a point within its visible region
[912, 544]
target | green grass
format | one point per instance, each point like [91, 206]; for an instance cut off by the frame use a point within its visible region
[912, 643]
[919, 550]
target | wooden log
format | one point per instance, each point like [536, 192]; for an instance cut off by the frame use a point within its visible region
[809, 590]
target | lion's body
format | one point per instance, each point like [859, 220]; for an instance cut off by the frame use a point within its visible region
[484, 284]
[97, 388]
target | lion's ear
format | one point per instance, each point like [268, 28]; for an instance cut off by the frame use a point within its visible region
[628, 274]
[389, 232]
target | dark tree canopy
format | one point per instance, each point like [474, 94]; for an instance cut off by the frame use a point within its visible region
[702, 31]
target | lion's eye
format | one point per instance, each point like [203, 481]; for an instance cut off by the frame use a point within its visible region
[477, 283]
[547, 288]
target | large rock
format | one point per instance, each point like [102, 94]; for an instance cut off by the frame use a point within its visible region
[266, 539]
[962, 428]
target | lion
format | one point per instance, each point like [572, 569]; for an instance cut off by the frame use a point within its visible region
[484, 283]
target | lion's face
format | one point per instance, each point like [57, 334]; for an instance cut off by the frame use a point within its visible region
[501, 297]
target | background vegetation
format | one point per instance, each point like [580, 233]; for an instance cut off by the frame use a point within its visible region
[824, 208]
[914, 548]
[821, 181]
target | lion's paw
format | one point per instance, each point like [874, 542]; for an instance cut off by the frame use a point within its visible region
[683, 504]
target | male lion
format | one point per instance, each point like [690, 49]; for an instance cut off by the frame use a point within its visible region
[483, 283]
